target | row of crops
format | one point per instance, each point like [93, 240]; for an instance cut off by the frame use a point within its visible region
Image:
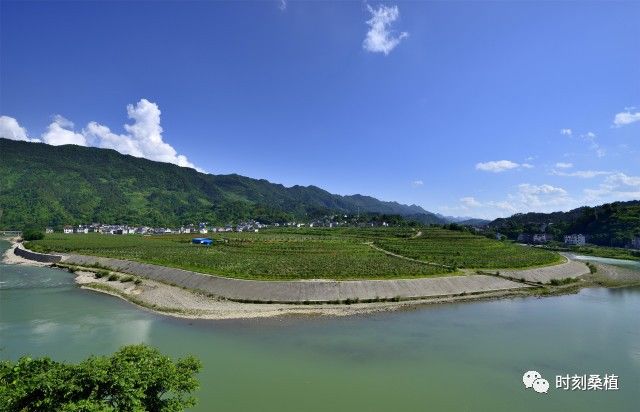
[310, 253]
[267, 256]
[465, 250]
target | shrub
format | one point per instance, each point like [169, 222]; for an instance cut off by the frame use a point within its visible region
[137, 281]
[113, 277]
[127, 279]
[102, 273]
[559, 282]
[32, 234]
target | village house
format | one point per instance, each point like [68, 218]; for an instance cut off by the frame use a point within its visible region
[48, 230]
[81, 229]
[576, 239]
[542, 238]
[67, 229]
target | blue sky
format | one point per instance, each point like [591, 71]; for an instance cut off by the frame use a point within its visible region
[465, 108]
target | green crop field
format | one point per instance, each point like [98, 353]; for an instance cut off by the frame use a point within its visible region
[311, 253]
[465, 250]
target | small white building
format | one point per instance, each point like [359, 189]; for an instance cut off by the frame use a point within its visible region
[204, 230]
[576, 239]
[67, 229]
[48, 230]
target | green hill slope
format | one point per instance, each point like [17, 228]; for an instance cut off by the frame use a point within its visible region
[56, 185]
[611, 224]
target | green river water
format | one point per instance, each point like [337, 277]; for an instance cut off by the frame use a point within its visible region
[452, 357]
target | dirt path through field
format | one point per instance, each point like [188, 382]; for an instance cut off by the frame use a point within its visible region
[386, 252]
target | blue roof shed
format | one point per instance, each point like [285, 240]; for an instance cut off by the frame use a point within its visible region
[202, 241]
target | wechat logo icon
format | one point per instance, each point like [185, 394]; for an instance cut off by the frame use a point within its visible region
[533, 379]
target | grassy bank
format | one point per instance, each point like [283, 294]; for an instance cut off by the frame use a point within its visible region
[308, 253]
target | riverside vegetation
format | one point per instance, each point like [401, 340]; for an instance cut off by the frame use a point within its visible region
[135, 378]
[344, 253]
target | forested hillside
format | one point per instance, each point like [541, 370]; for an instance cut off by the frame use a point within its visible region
[611, 224]
[57, 185]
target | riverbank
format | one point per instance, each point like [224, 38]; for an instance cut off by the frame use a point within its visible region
[10, 258]
[174, 300]
[182, 303]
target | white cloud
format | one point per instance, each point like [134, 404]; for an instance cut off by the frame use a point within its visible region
[546, 198]
[585, 174]
[566, 132]
[561, 165]
[11, 129]
[618, 186]
[626, 117]
[621, 178]
[60, 132]
[470, 201]
[527, 198]
[529, 189]
[417, 183]
[526, 166]
[143, 137]
[283, 5]
[497, 166]
[380, 39]
[591, 137]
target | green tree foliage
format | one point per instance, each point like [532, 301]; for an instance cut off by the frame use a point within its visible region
[136, 378]
[44, 185]
[611, 224]
[32, 234]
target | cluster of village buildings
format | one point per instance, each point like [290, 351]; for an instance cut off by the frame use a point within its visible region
[109, 229]
[201, 228]
[574, 239]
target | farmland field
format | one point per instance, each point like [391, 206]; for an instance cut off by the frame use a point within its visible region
[312, 253]
[462, 249]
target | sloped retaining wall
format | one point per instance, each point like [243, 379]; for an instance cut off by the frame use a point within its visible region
[38, 257]
[304, 291]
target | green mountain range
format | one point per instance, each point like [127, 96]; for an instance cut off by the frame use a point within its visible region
[42, 185]
[611, 224]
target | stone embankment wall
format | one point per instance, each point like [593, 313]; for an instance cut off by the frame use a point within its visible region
[304, 291]
[38, 257]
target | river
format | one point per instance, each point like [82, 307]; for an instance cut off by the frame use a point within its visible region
[453, 357]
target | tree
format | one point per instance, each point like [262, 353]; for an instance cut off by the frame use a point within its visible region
[32, 234]
[135, 378]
